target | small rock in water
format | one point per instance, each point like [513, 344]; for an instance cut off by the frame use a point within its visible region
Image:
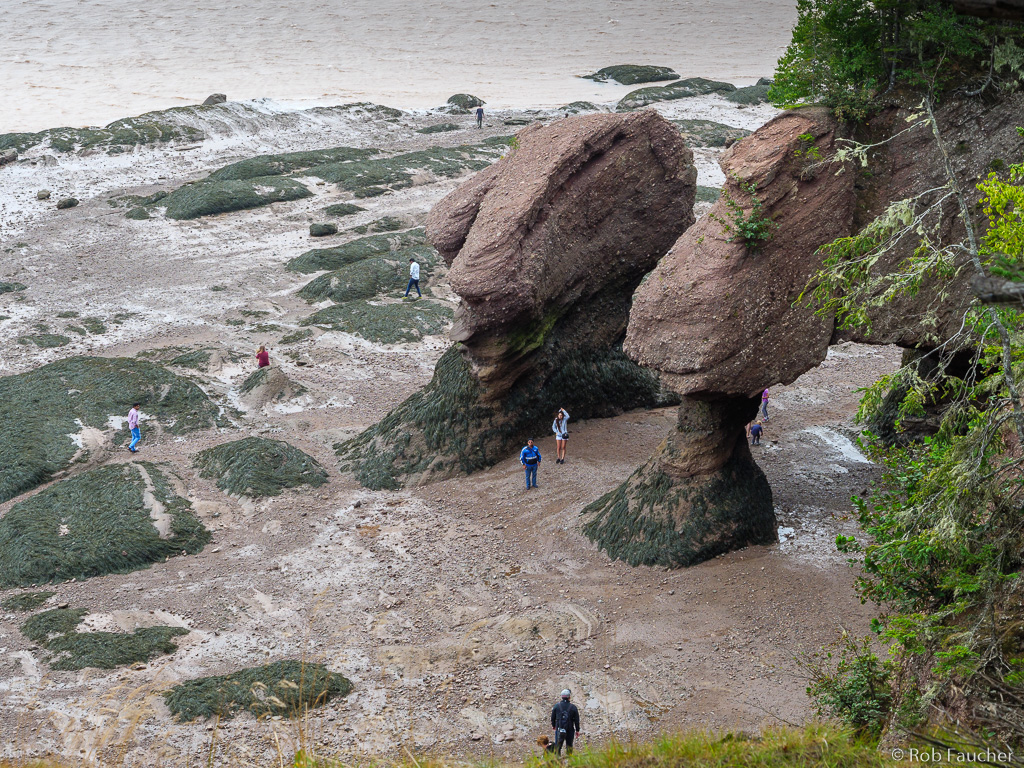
[43, 194]
[67, 202]
[322, 230]
[215, 98]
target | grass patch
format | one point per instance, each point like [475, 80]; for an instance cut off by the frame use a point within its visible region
[27, 601]
[41, 409]
[320, 259]
[256, 466]
[209, 197]
[385, 323]
[94, 524]
[282, 688]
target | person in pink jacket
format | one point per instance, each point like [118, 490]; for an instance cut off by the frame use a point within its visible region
[133, 425]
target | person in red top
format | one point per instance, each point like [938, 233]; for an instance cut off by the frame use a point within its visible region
[262, 357]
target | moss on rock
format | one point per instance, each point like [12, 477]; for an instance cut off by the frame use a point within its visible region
[206, 198]
[322, 230]
[283, 688]
[385, 323]
[255, 466]
[320, 259]
[682, 89]
[93, 524]
[41, 410]
[631, 74]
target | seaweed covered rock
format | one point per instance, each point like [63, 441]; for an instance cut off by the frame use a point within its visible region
[342, 209]
[114, 519]
[575, 107]
[363, 279]
[12, 287]
[288, 162]
[545, 248]
[255, 466]
[209, 197]
[320, 259]
[464, 102]
[57, 413]
[631, 74]
[322, 230]
[67, 202]
[751, 94]
[700, 495]
[68, 649]
[384, 323]
[146, 129]
[283, 688]
[681, 89]
[438, 128]
[708, 133]
[26, 601]
[266, 385]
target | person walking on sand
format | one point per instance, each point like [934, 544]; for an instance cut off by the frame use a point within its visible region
[565, 719]
[529, 457]
[479, 117]
[755, 429]
[133, 425]
[560, 426]
[414, 278]
[764, 405]
[262, 357]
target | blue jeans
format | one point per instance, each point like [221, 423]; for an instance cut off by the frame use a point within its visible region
[531, 474]
[764, 408]
[136, 436]
[413, 283]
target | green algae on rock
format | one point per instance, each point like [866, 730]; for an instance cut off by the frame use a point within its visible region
[126, 133]
[342, 209]
[751, 94]
[12, 287]
[363, 279]
[319, 259]
[206, 197]
[439, 128]
[464, 102]
[631, 74]
[137, 214]
[682, 89]
[69, 650]
[708, 133]
[255, 466]
[283, 688]
[44, 340]
[102, 521]
[322, 230]
[42, 412]
[383, 224]
[288, 163]
[708, 194]
[575, 107]
[384, 323]
[27, 601]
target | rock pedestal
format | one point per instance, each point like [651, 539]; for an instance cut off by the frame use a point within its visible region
[545, 248]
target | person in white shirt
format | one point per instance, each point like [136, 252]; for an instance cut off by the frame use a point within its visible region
[414, 278]
[560, 427]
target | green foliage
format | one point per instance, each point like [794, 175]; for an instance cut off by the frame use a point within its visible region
[845, 52]
[754, 229]
[851, 684]
[255, 466]
[42, 409]
[384, 323]
[286, 688]
[95, 523]
[27, 601]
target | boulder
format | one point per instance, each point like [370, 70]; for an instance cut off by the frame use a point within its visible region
[322, 230]
[631, 74]
[43, 194]
[545, 248]
[215, 98]
[681, 89]
[464, 102]
[8, 156]
[67, 202]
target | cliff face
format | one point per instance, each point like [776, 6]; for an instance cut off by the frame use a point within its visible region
[545, 248]
[721, 323]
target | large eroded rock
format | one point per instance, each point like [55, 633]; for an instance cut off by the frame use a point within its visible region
[545, 248]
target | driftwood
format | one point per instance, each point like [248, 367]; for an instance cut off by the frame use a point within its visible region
[993, 9]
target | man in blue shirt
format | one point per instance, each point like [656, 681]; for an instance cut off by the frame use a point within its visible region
[529, 457]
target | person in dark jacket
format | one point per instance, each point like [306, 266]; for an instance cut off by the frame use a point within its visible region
[529, 457]
[565, 719]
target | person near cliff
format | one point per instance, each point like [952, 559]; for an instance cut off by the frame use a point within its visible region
[262, 357]
[764, 405]
[755, 429]
[529, 457]
[133, 425]
[565, 719]
[414, 278]
[479, 117]
[560, 426]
